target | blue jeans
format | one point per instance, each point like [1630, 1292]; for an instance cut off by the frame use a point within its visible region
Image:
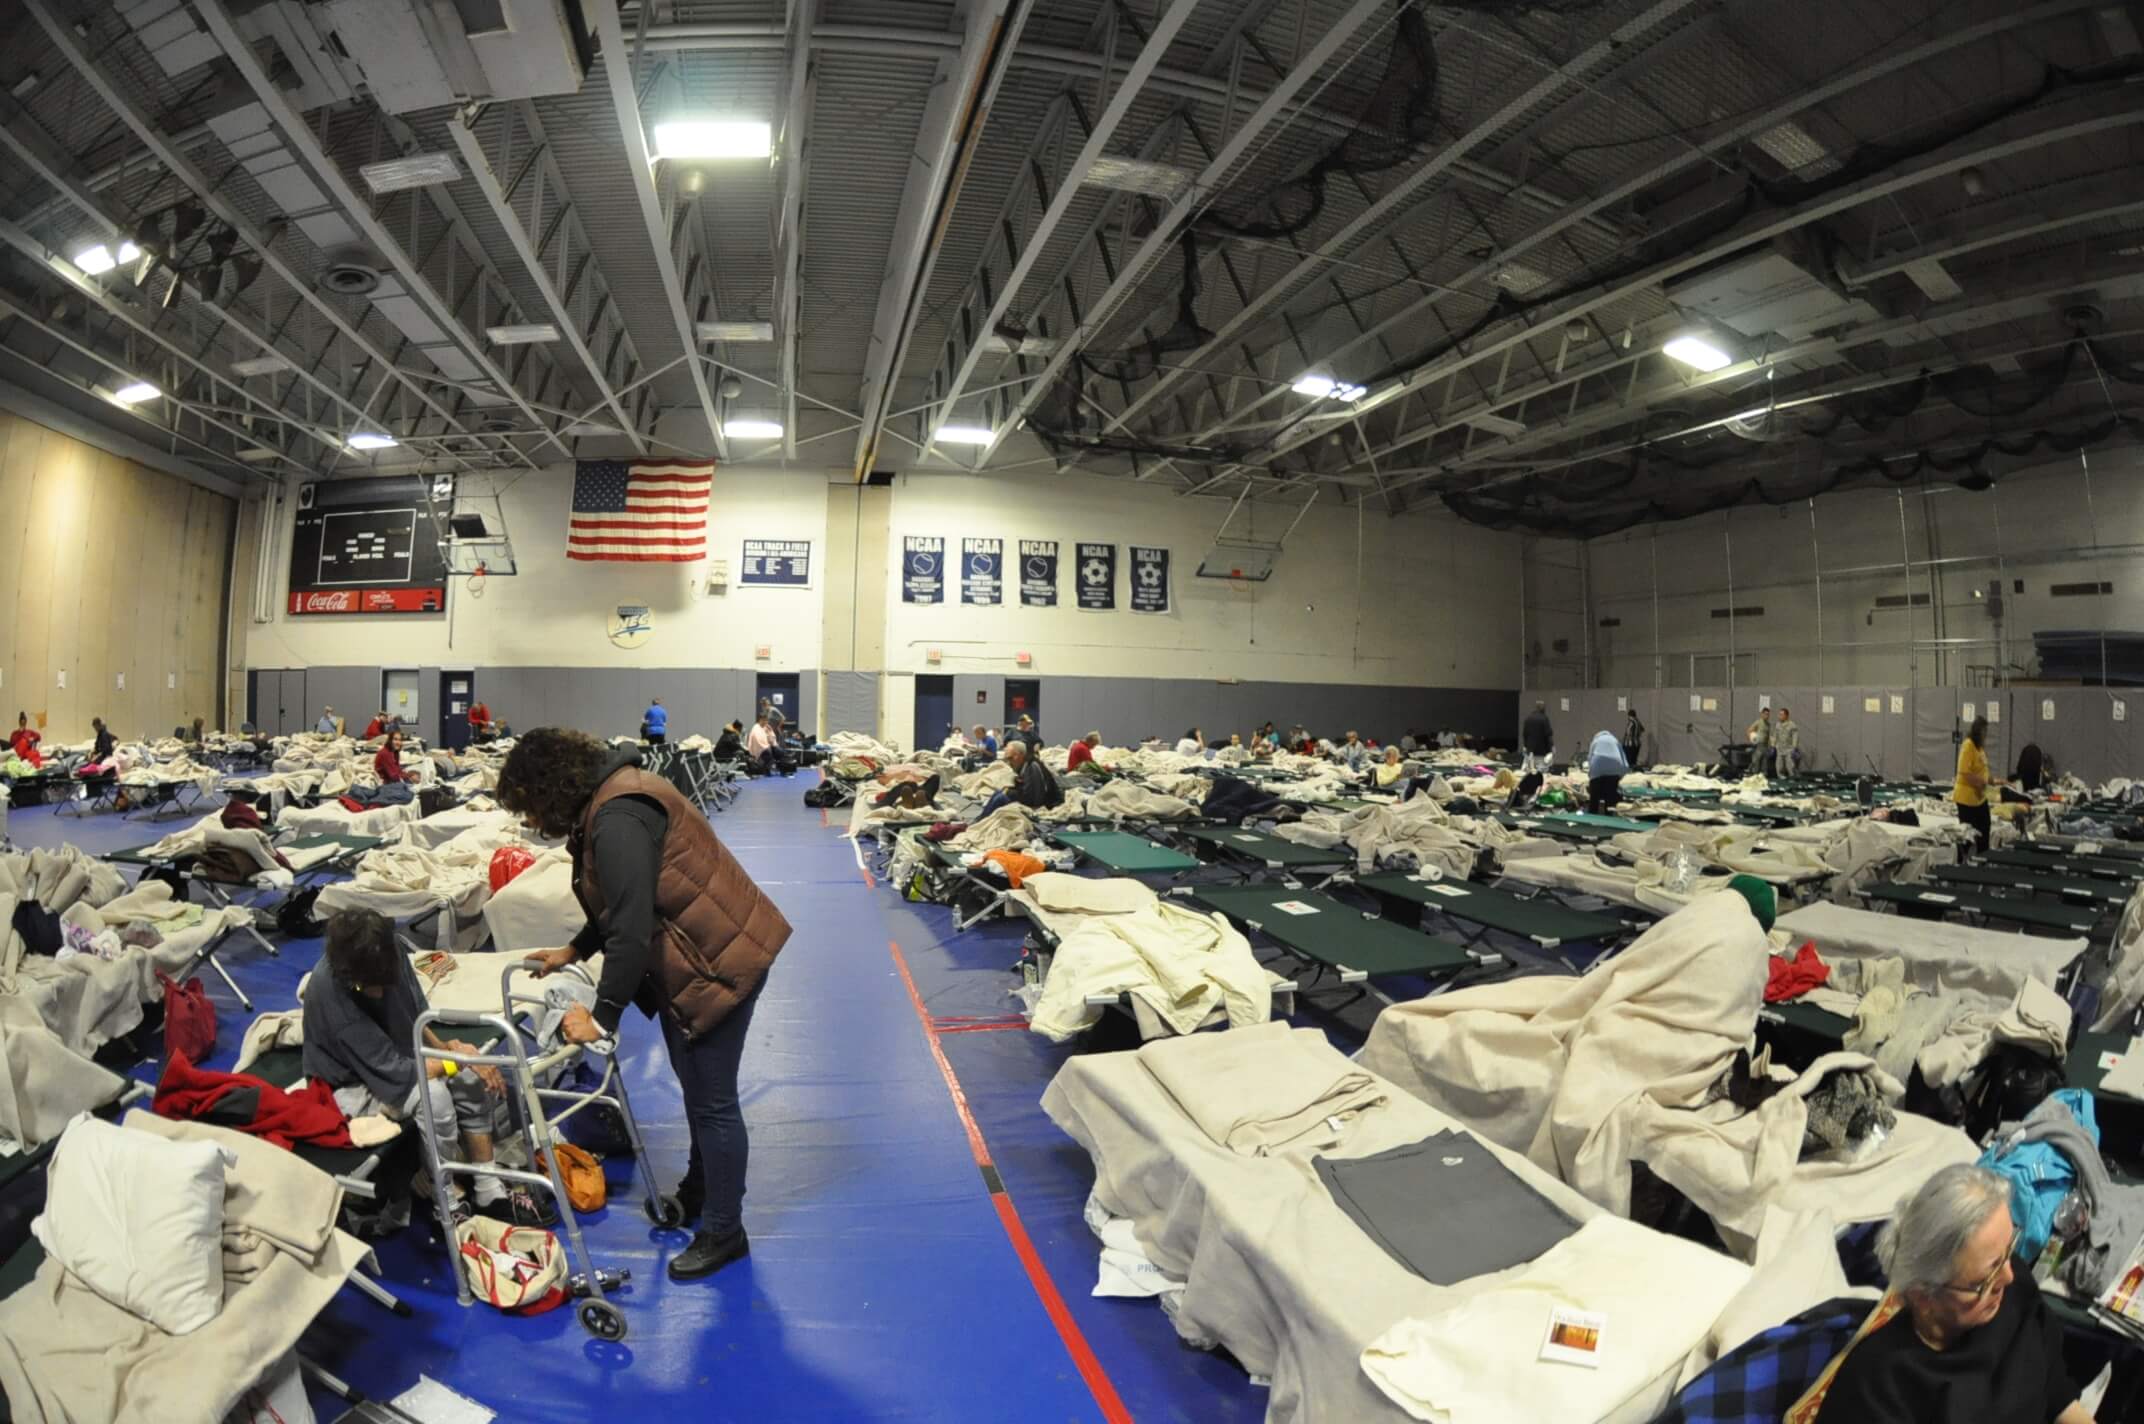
[706, 1069]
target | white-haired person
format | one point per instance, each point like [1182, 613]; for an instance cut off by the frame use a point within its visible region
[1962, 1335]
[1082, 754]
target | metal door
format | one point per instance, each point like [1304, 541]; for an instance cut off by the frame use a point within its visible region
[457, 689]
[934, 708]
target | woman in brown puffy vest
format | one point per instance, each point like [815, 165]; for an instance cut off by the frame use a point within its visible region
[685, 934]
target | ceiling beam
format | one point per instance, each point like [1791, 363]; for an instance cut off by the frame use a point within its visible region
[1691, 154]
[1194, 197]
[1614, 46]
[602, 16]
[299, 136]
[71, 48]
[487, 182]
[1164, 32]
[792, 152]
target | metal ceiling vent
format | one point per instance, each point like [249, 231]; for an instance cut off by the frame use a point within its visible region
[350, 272]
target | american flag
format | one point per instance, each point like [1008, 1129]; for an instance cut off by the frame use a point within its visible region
[640, 513]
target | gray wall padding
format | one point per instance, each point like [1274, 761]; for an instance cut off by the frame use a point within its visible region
[2082, 735]
[605, 702]
[851, 703]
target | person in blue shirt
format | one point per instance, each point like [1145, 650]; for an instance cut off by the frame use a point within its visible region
[654, 723]
[987, 740]
[1605, 765]
[326, 725]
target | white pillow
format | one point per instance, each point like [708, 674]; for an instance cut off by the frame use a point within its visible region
[139, 1220]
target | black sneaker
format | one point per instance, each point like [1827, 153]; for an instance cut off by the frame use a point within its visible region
[459, 1210]
[708, 1254]
[523, 1207]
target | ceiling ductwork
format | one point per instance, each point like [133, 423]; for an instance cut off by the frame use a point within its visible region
[350, 272]
[417, 54]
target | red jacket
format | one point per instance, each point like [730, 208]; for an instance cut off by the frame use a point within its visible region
[252, 1105]
[387, 766]
[1079, 756]
[25, 741]
[374, 728]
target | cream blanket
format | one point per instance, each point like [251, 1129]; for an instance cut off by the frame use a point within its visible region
[68, 1356]
[1273, 1268]
[1478, 1361]
[44, 1084]
[1180, 965]
[1590, 1075]
[1264, 1090]
[537, 909]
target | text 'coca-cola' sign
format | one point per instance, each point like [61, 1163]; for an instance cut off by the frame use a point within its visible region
[369, 600]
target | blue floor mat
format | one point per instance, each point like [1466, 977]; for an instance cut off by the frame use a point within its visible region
[882, 1284]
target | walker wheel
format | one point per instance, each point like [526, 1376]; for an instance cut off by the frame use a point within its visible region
[602, 1319]
[664, 1210]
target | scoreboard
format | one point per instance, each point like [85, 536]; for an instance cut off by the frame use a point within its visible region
[366, 546]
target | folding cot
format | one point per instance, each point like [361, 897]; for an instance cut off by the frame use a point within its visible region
[1547, 923]
[2034, 914]
[161, 796]
[2047, 858]
[91, 794]
[1584, 831]
[1253, 851]
[954, 876]
[2080, 891]
[220, 893]
[1122, 853]
[1334, 938]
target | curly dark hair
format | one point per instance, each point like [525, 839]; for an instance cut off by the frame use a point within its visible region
[360, 949]
[549, 776]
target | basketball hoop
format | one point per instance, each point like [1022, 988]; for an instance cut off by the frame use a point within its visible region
[1238, 582]
[477, 577]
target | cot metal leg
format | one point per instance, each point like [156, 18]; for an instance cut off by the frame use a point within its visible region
[208, 957]
[368, 1286]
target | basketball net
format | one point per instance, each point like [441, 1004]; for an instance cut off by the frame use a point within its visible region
[1238, 582]
[476, 580]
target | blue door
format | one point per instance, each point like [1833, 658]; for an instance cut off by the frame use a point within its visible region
[934, 709]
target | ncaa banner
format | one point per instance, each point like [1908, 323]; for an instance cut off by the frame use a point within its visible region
[1038, 573]
[922, 569]
[1150, 580]
[982, 571]
[1097, 577]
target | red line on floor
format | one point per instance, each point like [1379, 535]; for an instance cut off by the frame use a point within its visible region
[982, 1028]
[1038, 1275]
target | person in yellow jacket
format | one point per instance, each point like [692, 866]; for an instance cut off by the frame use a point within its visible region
[1971, 792]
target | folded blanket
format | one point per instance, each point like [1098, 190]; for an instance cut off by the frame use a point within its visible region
[1265, 1089]
[1059, 892]
[1479, 1362]
[1180, 965]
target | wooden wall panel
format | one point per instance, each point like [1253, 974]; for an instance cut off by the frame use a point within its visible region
[111, 569]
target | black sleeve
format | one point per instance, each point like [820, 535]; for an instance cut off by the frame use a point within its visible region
[627, 846]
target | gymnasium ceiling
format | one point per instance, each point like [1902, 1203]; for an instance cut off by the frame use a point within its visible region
[1915, 232]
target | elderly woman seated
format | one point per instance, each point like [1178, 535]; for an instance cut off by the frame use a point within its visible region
[1961, 1336]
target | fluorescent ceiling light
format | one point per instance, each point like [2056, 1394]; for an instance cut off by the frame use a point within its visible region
[94, 260]
[1323, 387]
[1044, 346]
[1138, 175]
[419, 170]
[370, 440]
[713, 138]
[259, 365]
[1791, 146]
[1697, 352]
[254, 455]
[736, 330]
[1519, 278]
[1498, 424]
[964, 435]
[135, 393]
[525, 334]
[753, 429]
[590, 427]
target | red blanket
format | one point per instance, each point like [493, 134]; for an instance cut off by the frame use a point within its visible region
[1792, 978]
[251, 1105]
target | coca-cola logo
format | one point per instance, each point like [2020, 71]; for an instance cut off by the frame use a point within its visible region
[342, 602]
